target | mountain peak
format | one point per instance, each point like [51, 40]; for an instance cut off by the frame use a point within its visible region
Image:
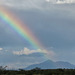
[52, 65]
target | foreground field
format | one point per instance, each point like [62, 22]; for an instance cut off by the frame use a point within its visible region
[39, 72]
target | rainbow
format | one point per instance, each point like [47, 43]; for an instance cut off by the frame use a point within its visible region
[19, 27]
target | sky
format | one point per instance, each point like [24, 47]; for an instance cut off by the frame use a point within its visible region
[51, 21]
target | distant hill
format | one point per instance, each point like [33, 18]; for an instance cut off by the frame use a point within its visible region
[52, 65]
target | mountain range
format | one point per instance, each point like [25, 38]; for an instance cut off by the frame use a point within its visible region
[51, 65]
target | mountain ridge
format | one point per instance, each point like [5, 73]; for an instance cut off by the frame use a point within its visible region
[52, 65]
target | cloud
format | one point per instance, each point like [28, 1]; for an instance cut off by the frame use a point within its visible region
[21, 3]
[60, 1]
[27, 51]
[65, 1]
[1, 49]
[48, 0]
[25, 4]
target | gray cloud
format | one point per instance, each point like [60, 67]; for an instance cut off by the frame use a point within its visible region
[39, 4]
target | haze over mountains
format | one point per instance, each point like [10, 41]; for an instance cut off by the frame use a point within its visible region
[52, 65]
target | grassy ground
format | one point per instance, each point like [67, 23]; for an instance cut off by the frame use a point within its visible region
[39, 72]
